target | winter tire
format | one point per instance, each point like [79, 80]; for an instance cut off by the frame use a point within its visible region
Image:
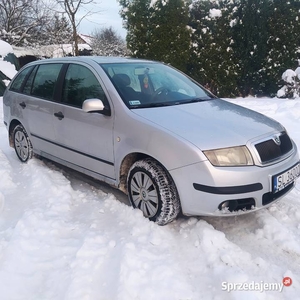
[22, 143]
[152, 190]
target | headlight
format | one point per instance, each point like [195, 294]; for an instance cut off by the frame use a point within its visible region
[230, 157]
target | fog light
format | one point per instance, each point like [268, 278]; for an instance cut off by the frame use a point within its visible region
[224, 205]
[237, 204]
[230, 205]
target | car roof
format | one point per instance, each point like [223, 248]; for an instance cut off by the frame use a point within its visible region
[97, 59]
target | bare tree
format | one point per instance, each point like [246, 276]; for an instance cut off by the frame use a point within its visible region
[107, 42]
[71, 8]
[22, 20]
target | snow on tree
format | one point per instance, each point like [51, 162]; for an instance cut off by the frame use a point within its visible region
[250, 34]
[58, 30]
[107, 42]
[23, 21]
[212, 58]
[170, 36]
[137, 15]
[253, 40]
[157, 30]
[215, 13]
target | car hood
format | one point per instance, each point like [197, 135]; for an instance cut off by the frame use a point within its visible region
[211, 124]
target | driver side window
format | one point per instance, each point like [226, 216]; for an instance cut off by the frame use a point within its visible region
[81, 84]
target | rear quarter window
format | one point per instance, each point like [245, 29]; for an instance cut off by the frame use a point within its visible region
[18, 81]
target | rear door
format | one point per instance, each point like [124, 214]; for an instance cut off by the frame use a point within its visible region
[39, 92]
[85, 139]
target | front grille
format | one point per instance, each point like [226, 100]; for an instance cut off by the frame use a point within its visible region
[269, 150]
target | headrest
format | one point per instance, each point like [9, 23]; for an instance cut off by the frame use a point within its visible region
[121, 80]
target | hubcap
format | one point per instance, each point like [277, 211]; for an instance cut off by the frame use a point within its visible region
[144, 194]
[21, 145]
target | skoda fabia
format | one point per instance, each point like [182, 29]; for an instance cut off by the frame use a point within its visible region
[152, 132]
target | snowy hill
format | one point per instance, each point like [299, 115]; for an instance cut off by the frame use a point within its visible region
[64, 236]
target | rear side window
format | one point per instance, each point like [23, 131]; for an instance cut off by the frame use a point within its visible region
[45, 81]
[18, 81]
[81, 84]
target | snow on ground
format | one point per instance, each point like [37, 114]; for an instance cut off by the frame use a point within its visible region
[63, 236]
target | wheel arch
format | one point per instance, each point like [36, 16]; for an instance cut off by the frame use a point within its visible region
[126, 164]
[12, 126]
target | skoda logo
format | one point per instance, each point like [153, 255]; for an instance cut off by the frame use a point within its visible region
[277, 140]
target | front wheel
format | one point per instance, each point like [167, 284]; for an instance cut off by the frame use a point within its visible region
[22, 143]
[152, 190]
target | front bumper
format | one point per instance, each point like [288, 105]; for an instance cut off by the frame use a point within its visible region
[203, 188]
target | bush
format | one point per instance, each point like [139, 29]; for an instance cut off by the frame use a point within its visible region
[291, 88]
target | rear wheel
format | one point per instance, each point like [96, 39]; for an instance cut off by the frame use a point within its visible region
[22, 143]
[152, 190]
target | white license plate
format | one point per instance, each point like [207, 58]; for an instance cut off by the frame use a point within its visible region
[284, 179]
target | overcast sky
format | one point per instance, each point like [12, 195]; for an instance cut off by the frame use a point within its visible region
[108, 16]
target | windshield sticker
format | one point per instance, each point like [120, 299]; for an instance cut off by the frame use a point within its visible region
[135, 102]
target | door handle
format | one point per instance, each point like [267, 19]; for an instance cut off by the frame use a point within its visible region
[59, 115]
[22, 104]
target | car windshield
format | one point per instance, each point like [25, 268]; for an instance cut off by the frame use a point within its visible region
[147, 84]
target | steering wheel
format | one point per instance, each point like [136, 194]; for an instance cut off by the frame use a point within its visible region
[160, 91]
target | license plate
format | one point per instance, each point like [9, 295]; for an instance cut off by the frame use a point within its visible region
[282, 180]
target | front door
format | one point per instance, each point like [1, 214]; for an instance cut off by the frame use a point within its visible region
[85, 139]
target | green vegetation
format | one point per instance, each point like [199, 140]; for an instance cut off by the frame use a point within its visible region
[233, 47]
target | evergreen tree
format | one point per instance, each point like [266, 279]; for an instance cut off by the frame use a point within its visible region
[234, 47]
[137, 16]
[158, 30]
[283, 41]
[261, 38]
[170, 37]
[212, 61]
[250, 34]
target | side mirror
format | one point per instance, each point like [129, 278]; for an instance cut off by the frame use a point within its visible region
[95, 105]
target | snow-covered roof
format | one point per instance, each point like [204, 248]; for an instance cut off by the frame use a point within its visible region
[86, 38]
[49, 51]
[7, 68]
[5, 48]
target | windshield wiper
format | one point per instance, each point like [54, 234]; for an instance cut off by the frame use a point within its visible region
[153, 105]
[160, 104]
[194, 100]
[171, 103]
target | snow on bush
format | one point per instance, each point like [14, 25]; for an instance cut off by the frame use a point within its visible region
[291, 89]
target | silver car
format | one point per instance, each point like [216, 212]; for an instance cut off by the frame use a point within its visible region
[152, 132]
